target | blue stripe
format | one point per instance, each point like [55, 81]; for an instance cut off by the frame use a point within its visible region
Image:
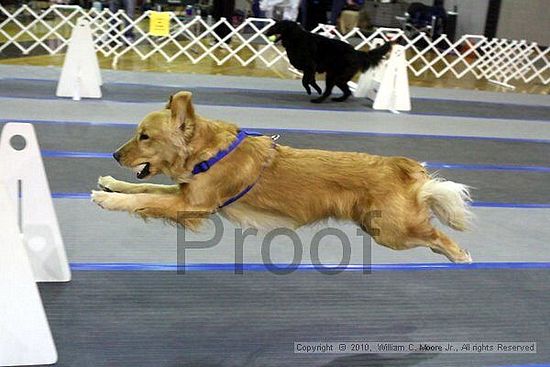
[306, 267]
[401, 135]
[71, 195]
[485, 167]
[73, 154]
[302, 131]
[432, 165]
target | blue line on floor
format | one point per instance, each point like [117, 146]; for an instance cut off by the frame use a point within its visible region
[73, 154]
[305, 267]
[397, 135]
[301, 131]
[485, 167]
[479, 204]
[432, 165]
[71, 195]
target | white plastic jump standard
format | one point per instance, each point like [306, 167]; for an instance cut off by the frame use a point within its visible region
[386, 85]
[393, 92]
[80, 76]
[25, 337]
[24, 176]
[31, 250]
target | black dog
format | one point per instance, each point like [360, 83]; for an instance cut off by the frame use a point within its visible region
[313, 53]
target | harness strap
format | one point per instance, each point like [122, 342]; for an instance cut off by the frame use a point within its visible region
[207, 164]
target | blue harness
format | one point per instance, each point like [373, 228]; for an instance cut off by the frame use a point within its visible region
[207, 164]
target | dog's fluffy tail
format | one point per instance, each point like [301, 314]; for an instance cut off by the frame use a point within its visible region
[449, 201]
[373, 57]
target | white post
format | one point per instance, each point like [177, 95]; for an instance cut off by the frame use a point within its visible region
[24, 176]
[387, 84]
[393, 93]
[80, 76]
[25, 337]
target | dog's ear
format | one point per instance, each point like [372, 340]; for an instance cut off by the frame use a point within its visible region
[169, 103]
[181, 107]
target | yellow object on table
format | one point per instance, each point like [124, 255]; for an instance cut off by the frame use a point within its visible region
[159, 24]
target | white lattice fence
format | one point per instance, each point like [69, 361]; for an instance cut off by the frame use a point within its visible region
[115, 35]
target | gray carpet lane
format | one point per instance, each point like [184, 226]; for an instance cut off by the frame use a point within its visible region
[186, 80]
[80, 175]
[90, 138]
[92, 234]
[45, 89]
[225, 320]
[99, 111]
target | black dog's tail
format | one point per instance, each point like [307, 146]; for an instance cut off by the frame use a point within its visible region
[373, 57]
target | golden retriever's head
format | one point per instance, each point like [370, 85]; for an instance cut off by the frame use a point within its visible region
[161, 139]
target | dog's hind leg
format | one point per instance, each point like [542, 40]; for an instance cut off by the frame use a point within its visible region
[109, 184]
[309, 79]
[344, 87]
[316, 86]
[426, 235]
[328, 89]
[305, 83]
[440, 243]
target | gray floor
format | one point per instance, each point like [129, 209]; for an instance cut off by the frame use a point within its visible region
[79, 175]
[182, 80]
[497, 235]
[222, 319]
[135, 93]
[92, 138]
[211, 319]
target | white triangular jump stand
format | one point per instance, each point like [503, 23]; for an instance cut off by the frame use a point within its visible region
[25, 337]
[80, 76]
[31, 250]
[386, 85]
[24, 176]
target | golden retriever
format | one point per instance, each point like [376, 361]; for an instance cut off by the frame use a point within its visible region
[288, 187]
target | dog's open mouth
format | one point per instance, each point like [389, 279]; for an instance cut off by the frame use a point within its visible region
[142, 170]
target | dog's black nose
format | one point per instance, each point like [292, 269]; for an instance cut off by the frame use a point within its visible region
[116, 156]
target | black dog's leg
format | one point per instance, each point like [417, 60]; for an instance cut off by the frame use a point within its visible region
[316, 86]
[305, 83]
[328, 90]
[344, 87]
[309, 79]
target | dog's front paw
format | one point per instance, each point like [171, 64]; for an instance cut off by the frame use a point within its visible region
[108, 184]
[100, 198]
[114, 201]
[111, 200]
